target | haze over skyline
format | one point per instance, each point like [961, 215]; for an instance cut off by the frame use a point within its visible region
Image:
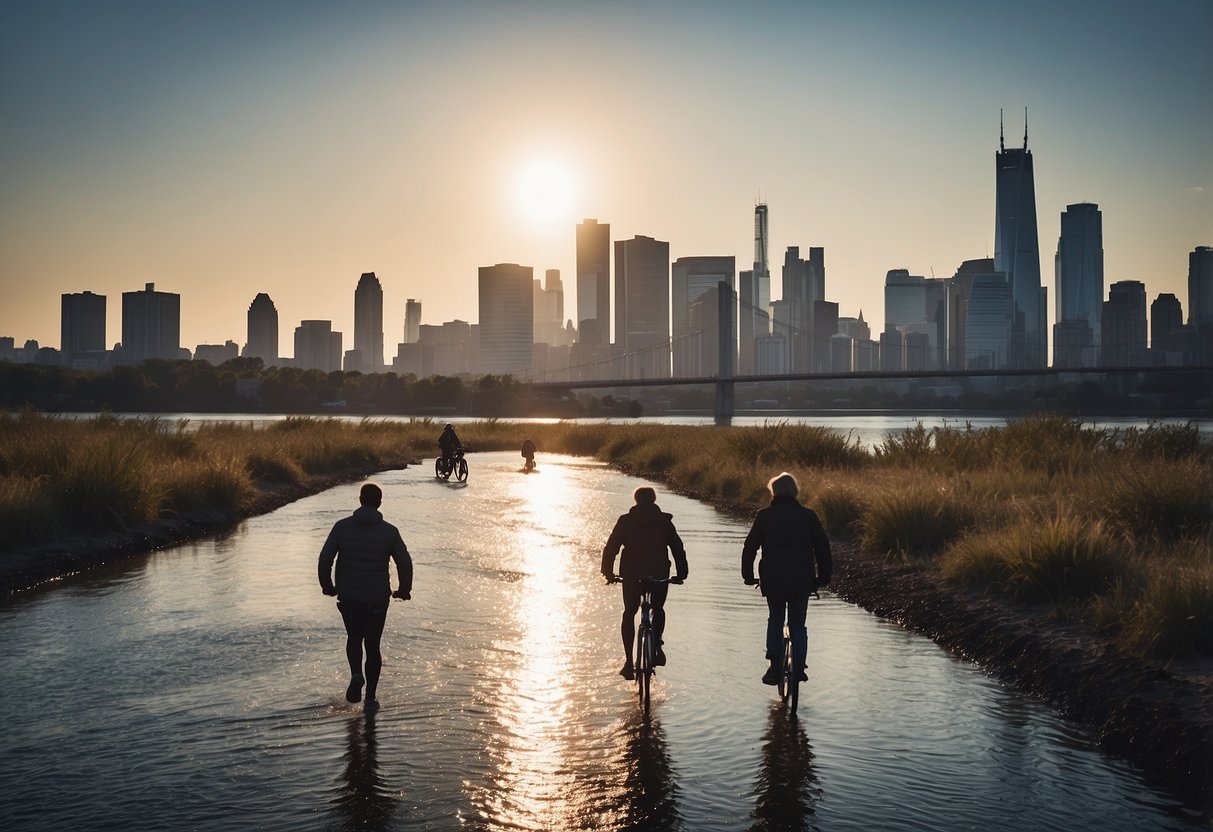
[222, 149]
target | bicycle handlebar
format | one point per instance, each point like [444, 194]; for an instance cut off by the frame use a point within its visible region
[618, 579]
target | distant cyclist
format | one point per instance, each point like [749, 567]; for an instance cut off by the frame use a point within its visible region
[795, 562]
[528, 453]
[362, 545]
[448, 442]
[645, 533]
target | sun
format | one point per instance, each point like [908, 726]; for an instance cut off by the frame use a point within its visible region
[545, 192]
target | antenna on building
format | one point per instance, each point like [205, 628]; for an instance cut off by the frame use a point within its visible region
[1025, 128]
[1001, 144]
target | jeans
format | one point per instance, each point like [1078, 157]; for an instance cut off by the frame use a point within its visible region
[795, 610]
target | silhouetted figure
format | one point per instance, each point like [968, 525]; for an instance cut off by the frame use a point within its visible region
[363, 801]
[645, 533]
[362, 544]
[528, 453]
[787, 792]
[448, 442]
[795, 561]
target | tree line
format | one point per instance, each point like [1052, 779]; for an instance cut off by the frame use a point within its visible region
[244, 385]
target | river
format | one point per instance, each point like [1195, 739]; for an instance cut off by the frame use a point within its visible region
[201, 688]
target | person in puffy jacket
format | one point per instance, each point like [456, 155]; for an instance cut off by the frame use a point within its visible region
[795, 562]
[362, 545]
[645, 534]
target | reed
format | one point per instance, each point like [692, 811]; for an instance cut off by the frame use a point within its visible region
[1060, 559]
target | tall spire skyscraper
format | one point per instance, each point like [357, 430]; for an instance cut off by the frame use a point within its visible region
[1017, 252]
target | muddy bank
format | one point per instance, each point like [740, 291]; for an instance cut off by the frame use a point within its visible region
[31, 567]
[1157, 717]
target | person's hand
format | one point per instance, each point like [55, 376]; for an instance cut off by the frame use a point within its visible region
[751, 582]
[329, 590]
[402, 595]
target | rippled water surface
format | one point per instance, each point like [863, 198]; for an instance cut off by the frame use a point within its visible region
[202, 688]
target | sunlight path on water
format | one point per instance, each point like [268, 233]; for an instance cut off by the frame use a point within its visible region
[202, 688]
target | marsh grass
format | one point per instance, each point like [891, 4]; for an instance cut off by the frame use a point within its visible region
[914, 522]
[1060, 559]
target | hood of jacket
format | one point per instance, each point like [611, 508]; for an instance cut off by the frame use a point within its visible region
[367, 516]
[649, 514]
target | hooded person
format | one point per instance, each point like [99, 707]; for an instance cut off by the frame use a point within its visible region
[647, 536]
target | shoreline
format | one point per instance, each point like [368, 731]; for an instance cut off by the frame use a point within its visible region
[1158, 718]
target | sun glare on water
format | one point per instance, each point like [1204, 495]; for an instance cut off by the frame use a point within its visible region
[545, 192]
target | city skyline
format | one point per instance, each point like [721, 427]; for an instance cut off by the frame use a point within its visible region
[218, 153]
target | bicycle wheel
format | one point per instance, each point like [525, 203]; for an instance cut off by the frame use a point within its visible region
[438, 469]
[461, 469]
[644, 666]
[785, 677]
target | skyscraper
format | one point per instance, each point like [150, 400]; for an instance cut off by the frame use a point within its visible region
[987, 322]
[412, 321]
[317, 346]
[1123, 325]
[1017, 252]
[691, 279]
[1166, 330]
[916, 304]
[642, 306]
[151, 325]
[593, 282]
[959, 287]
[368, 322]
[262, 330]
[1200, 303]
[1079, 274]
[549, 309]
[507, 315]
[83, 324]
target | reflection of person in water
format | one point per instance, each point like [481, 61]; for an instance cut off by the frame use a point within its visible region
[651, 800]
[787, 791]
[363, 800]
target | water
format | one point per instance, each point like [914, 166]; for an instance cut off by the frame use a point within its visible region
[202, 688]
[868, 429]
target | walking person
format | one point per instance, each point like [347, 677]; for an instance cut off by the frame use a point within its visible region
[362, 545]
[645, 534]
[795, 562]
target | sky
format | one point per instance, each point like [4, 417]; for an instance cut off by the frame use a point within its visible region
[225, 148]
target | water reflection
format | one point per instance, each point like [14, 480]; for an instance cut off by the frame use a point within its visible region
[651, 790]
[363, 799]
[787, 788]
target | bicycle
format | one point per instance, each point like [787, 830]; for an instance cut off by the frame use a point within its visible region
[454, 464]
[646, 642]
[789, 678]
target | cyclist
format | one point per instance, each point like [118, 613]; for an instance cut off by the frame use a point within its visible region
[528, 453]
[795, 561]
[644, 533]
[448, 443]
[362, 545]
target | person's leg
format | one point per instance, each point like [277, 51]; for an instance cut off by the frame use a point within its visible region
[659, 593]
[373, 633]
[354, 616]
[776, 607]
[627, 626]
[797, 610]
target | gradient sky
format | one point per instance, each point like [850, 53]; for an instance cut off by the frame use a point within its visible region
[225, 148]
